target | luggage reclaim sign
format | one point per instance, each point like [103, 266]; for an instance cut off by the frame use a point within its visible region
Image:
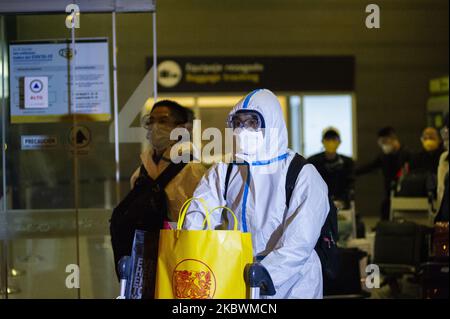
[245, 73]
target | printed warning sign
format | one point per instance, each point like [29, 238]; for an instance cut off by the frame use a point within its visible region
[38, 142]
[79, 139]
[36, 92]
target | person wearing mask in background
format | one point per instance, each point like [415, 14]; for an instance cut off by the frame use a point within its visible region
[336, 169]
[391, 162]
[165, 116]
[442, 177]
[283, 237]
[427, 160]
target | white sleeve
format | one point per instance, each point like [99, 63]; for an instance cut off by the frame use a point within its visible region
[210, 189]
[442, 171]
[303, 222]
[182, 187]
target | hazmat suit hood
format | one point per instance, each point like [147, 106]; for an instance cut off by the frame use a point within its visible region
[267, 105]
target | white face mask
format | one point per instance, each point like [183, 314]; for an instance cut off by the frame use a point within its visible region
[387, 148]
[159, 136]
[248, 142]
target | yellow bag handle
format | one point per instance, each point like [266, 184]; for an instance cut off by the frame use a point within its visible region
[235, 224]
[184, 208]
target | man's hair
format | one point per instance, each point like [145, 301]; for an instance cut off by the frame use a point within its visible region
[331, 133]
[387, 131]
[180, 113]
[446, 120]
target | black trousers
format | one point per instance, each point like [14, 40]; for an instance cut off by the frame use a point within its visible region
[385, 208]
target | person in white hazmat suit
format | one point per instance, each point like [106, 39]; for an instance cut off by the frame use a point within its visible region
[283, 239]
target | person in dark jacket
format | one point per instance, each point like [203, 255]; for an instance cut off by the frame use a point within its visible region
[427, 160]
[392, 162]
[336, 169]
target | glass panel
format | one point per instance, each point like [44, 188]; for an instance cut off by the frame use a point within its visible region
[135, 87]
[98, 187]
[62, 178]
[41, 215]
[42, 244]
[295, 118]
[321, 111]
[3, 244]
[96, 170]
[60, 197]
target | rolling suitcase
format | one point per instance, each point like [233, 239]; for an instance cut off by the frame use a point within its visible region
[400, 246]
[347, 284]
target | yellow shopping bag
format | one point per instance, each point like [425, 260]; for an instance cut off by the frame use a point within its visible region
[202, 264]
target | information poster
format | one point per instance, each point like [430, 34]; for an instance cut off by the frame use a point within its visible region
[52, 60]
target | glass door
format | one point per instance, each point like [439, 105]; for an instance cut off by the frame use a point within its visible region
[39, 170]
[61, 105]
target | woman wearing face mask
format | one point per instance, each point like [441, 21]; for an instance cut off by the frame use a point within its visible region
[336, 169]
[392, 161]
[427, 160]
[164, 117]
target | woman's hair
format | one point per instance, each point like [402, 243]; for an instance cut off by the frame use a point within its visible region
[180, 113]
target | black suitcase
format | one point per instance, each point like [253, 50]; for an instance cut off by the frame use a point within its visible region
[347, 284]
[435, 280]
[416, 184]
[400, 246]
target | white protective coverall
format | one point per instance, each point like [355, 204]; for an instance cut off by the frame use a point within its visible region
[256, 193]
[180, 188]
[441, 172]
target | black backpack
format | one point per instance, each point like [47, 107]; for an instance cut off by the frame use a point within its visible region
[144, 208]
[326, 246]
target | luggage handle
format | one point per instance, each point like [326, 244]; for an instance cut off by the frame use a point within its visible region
[235, 220]
[184, 208]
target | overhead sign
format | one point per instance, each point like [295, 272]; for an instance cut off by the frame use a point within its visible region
[243, 74]
[40, 87]
[38, 142]
[36, 92]
[439, 85]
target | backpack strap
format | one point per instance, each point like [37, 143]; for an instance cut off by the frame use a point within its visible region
[227, 180]
[168, 174]
[143, 172]
[143, 178]
[163, 179]
[294, 169]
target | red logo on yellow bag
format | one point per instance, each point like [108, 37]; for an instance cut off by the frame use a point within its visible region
[193, 279]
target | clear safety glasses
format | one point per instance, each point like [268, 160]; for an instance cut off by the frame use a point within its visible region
[246, 119]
